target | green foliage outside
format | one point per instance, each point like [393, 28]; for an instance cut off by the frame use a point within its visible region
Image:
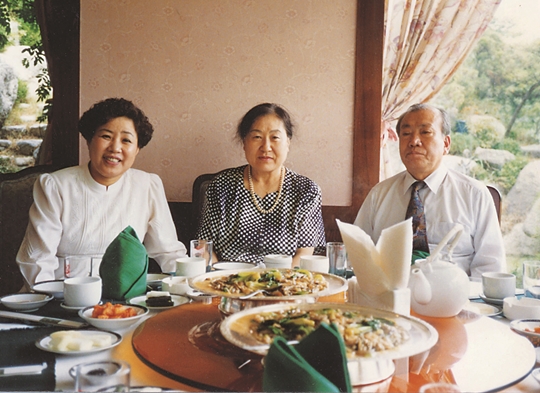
[22, 12]
[6, 166]
[496, 95]
[461, 143]
[22, 92]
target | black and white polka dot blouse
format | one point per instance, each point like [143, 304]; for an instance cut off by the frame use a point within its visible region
[241, 233]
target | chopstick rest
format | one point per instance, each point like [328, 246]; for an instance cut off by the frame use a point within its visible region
[22, 370]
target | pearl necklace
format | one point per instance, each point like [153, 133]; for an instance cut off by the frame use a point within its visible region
[254, 198]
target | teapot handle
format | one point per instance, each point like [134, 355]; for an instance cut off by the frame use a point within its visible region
[457, 230]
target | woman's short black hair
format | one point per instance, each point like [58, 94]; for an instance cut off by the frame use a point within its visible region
[103, 111]
[261, 110]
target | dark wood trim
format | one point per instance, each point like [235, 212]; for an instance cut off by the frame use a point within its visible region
[59, 21]
[65, 144]
[367, 113]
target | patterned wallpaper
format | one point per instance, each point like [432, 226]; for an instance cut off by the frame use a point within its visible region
[196, 66]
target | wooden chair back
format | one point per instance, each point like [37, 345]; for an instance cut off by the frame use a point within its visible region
[16, 197]
[495, 193]
[199, 196]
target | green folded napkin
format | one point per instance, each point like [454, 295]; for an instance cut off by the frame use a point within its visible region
[124, 267]
[317, 364]
[416, 254]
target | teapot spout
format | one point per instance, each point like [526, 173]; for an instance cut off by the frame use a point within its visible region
[420, 287]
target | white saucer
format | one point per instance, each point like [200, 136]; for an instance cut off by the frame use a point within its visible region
[491, 300]
[479, 308]
[71, 308]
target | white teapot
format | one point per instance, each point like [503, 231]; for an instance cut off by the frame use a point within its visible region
[439, 288]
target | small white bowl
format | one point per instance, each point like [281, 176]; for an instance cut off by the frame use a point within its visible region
[526, 327]
[233, 265]
[26, 301]
[113, 324]
[521, 308]
[54, 288]
[177, 285]
[154, 280]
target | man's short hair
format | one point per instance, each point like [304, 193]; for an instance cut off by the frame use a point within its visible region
[445, 118]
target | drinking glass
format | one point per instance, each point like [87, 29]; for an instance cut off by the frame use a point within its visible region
[203, 249]
[106, 376]
[337, 255]
[81, 265]
[531, 278]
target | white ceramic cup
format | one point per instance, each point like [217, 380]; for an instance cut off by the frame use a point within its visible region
[82, 291]
[190, 266]
[315, 263]
[278, 261]
[497, 285]
[175, 285]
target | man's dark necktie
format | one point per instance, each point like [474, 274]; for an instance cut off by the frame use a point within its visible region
[416, 211]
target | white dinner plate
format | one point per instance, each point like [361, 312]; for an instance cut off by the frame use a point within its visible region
[54, 288]
[422, 336]
[141, 301]
[44, 343]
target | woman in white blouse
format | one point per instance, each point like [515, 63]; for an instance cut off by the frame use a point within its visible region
[79, 210]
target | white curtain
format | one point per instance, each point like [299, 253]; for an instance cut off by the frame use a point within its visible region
[425, 41]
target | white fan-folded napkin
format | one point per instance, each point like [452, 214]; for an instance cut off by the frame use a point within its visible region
[382, 271]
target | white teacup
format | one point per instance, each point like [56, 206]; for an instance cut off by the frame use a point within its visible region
[278, 261]
[82, 291]
[190, 266]
[175, 285]
[498, 285]
[315, 263]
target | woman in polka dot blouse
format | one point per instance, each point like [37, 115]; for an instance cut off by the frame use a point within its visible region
[263, 208]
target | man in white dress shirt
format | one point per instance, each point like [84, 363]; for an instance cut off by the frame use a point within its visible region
[448, 197]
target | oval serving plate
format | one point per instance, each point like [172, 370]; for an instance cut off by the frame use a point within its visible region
[43, 343]
[141, 301]
[423, 336]
[201, 283]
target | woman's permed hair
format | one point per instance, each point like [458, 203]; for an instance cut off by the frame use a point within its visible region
[262, 110]
[111, 108]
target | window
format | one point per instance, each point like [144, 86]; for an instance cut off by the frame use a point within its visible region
[494, 101]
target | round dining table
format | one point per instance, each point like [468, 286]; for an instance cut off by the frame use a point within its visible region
[475, 352]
